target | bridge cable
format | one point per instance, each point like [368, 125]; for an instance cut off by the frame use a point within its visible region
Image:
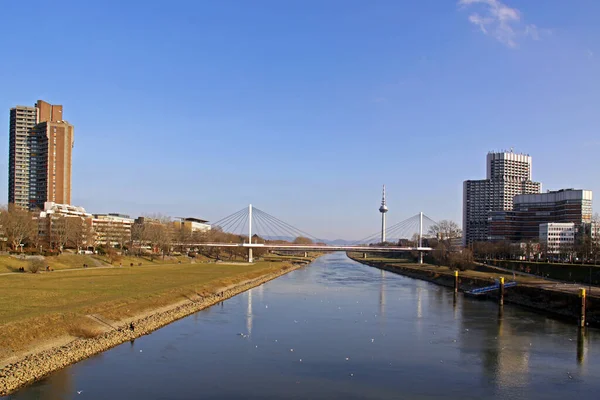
[222, 220]
[260, 227]
[293, 228]
[273, 231]
[275, 223]
[224, 223]
[240, 223]
[410, 224]
[233, 222]
[289, 227]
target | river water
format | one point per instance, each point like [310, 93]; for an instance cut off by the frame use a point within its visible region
[337, 329]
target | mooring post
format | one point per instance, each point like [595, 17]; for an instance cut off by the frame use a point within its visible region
[582, 316]
[501, 290]
[455, 281]
[365, 255]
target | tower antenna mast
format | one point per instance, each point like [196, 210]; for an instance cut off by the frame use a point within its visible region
[383, 209]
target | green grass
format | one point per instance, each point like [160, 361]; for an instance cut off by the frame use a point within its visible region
[45, 306]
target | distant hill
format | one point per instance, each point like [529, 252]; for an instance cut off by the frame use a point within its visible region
[338, 242]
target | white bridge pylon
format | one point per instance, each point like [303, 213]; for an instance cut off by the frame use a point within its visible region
[274, 230]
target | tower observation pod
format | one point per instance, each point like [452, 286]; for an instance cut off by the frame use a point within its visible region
[383, 209]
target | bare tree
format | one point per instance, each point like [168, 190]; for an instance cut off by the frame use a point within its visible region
[159, 236]
[88, 235]
[35, 239]
[445, 230]
[462, 260]
[75, 231]
[17, 224]
[59, 232]
[440, 253]
[182, 236]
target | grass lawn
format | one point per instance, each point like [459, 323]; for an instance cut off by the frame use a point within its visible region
[50, 305]
[145, 260]
[64, 261]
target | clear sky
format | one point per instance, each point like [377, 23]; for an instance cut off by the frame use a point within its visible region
[305, 108]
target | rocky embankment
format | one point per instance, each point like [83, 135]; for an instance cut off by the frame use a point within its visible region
[37, 366]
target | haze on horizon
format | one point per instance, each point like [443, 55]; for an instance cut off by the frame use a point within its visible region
[305, 108]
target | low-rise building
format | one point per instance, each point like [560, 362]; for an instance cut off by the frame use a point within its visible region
[112, 229]
[192, 225]
[61, 225]
[557, 237]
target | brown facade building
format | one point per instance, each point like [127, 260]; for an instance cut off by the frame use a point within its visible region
[40, 152]
[532, 210]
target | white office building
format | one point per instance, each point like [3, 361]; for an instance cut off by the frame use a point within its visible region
[112, 229]
[557, 237]
[508, 174]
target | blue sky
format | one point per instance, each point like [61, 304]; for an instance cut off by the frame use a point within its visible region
[305, 108]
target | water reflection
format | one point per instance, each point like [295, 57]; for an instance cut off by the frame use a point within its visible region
[249, 313]
[382, 294]
[581, 346]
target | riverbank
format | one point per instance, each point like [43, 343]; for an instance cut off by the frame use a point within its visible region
[558, 300]
[38, 364]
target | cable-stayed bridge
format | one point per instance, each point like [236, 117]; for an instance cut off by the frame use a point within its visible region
[257, 229]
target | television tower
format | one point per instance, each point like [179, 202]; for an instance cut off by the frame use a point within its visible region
[383, 209]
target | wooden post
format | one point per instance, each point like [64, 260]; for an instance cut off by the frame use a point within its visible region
[455, 281]
[501, 290]
[582, 316]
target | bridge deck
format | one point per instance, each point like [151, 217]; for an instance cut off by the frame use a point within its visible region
[303, 247]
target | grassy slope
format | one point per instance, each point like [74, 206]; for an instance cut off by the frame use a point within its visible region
[45, 306]
[64, 261]
[446, 270]
[69, 261]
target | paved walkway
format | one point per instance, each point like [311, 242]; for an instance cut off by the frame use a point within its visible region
[552, 284]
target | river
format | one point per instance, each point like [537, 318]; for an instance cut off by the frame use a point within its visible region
[337, 329]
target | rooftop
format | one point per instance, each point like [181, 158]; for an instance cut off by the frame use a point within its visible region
[191, 219]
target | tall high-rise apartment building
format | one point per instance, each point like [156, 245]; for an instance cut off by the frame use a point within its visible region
[40, 149]
[508, 174]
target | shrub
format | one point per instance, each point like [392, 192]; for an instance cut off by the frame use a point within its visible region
[36, 264]
[83, 331]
